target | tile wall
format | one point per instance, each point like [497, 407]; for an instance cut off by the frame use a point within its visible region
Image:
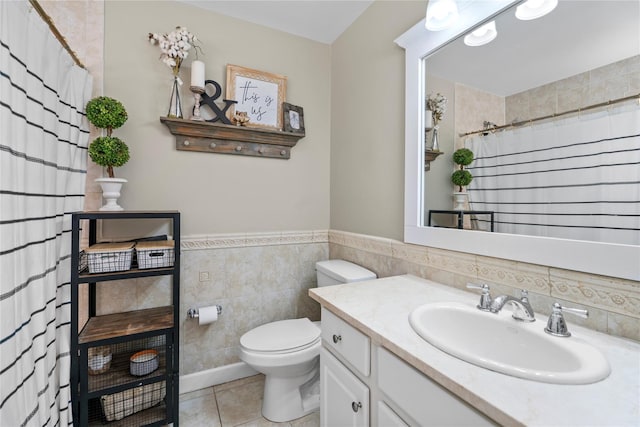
[257, 278]
[616, 80]
[613, 304]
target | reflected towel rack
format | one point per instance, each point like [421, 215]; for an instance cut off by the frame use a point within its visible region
[551, 116]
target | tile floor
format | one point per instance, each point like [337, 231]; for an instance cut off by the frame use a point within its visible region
[234, 404]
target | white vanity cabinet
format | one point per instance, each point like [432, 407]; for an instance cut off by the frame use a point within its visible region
[420, 400]
[344, 398]
[364, 384]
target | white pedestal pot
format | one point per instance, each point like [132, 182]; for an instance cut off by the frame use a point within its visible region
[110, 193]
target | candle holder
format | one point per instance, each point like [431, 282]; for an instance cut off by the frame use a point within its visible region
[197, 95]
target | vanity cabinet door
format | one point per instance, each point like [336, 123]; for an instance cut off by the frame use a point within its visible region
[388, 418]
[344, 398]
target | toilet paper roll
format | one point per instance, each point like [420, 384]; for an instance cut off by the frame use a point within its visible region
[207, 315]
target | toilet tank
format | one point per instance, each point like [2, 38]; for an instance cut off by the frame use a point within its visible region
[337, 271]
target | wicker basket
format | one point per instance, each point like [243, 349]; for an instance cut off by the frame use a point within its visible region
[108, 257]
[119, 405]
[155, 254]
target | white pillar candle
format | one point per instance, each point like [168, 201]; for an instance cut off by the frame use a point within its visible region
[197, 74]
[428, 119]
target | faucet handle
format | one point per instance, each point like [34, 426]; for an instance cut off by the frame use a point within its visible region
[556, 324]
[485, 297]
[524, 295]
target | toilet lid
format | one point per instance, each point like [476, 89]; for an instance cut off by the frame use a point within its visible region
[281, 335]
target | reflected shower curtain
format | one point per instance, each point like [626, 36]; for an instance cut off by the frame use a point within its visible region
[43, 140]
[575, 178]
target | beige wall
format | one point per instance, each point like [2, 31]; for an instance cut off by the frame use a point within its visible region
[437, 184]
[367, 121]
[217, 193]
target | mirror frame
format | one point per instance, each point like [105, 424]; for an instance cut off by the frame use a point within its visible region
[614, 260]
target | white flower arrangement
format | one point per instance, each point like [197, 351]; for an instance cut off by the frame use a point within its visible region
[437, 105]
[174, 46]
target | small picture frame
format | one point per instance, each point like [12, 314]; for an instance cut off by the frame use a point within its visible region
[293, 118]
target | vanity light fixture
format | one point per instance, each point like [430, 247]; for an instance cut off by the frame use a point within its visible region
[533, 9]
[441, 14]
[481, 35]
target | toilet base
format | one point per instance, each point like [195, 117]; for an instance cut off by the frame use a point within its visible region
[286, 399]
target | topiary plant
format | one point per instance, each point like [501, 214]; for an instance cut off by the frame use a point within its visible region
[107, 151]
[462, 157]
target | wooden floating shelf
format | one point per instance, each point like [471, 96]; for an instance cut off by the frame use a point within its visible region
[430, 156]
[208, 137]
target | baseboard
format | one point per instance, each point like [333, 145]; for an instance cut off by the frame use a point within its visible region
[215, 376]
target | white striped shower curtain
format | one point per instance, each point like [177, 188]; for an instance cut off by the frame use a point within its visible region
[43, 140]
[574, 178]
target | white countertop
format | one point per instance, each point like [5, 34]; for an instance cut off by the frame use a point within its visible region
[380, 308]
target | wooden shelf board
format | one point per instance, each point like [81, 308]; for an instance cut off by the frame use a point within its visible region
[228, 139]
[127, 323]
[86, 277]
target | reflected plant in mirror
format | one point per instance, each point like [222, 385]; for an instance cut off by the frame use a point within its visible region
[437, 104]
[462, 177]
[436, 107]
[560, 158]
[551, 165]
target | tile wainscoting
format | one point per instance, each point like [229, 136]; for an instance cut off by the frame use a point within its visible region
[257, 278]
[263, 277]
[613, 304]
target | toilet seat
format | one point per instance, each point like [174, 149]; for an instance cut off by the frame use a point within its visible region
[283, 336]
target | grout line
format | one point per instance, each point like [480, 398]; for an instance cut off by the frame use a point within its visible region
[215, 397]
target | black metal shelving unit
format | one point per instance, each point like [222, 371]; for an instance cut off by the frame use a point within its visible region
[125, 333]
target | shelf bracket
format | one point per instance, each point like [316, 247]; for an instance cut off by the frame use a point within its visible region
[430, 156]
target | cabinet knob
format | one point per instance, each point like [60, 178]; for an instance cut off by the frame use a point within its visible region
[356, 406]
[186, 143]
[283, 153]
[239, 148]
[337, 338]
[212, 145]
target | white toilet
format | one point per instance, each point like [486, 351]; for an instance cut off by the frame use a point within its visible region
[287, 352]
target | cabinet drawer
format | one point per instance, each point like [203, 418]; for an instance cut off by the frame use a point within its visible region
[422, 399]
[347, 341]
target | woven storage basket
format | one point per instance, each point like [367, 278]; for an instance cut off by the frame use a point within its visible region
[119, 405]
[155, 254]
[108, 257]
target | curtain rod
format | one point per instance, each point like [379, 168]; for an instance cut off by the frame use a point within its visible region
[550, 116]
[46, 18]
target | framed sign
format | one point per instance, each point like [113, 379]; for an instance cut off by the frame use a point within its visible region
[259, 94]
[293, 118]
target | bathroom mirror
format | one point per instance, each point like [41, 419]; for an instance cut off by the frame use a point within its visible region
[617, 260]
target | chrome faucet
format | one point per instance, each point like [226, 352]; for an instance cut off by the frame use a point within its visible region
[556, 324]
[485, 298]
[523, 310]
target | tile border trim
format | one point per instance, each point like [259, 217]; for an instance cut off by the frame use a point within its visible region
[242, 240]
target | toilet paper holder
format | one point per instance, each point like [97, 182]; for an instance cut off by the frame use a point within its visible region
[193, 313]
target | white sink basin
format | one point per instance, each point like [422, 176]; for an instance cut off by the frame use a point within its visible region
[502, 344]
